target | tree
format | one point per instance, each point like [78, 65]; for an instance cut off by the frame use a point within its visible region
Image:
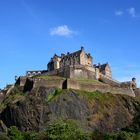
[66, 130]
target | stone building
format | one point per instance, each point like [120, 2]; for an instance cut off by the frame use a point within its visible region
[77, 64]
[35, 72]
[104, 69]
[54, 63]
[70, 59]
[72, 65]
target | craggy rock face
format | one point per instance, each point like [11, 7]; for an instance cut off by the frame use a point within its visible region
[34, 110]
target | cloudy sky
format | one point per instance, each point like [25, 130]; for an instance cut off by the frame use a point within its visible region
[31, 31]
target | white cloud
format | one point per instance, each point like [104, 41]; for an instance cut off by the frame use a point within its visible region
[132, 11]
[63, 30]
[119, 13]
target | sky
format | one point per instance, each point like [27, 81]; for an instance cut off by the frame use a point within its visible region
[32, 31]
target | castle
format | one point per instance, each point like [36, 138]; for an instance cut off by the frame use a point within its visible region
[74, 65]
[77, 71]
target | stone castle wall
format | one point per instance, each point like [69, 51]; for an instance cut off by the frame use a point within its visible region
[21, 81]
[65, 83]
[49, 83]
[109, 81]
[76, 71]
[72, 84]
[137, 92]
[82, 72]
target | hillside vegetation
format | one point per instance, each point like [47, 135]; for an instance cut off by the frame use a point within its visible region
[63, 114]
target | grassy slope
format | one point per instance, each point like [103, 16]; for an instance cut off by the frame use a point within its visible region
[80, 80]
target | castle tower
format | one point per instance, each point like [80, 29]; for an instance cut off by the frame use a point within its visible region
[54, 63]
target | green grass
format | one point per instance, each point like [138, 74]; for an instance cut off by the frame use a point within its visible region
[10, 100]
[96, 95]
[49, 77]
[80, 80]
[88, 81]
[14, 96]
[16, 91]
[53, 94]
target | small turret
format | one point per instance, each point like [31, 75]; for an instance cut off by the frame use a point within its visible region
[134, 79]
[134, 83]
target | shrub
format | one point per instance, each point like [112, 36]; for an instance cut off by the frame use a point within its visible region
[137, 136]
[66, 130]
[53, 94]
[125, 136]
[34, 136]
[15, 91]
[14, 133]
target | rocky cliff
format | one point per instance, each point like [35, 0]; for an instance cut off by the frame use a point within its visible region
[34, 110]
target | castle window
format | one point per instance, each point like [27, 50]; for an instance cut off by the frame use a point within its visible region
[39, 72]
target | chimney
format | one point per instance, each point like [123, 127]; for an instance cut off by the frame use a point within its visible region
[89, 54]
[99, 65]
[62, 55]
[82, 48]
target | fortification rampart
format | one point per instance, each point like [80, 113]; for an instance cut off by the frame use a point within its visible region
[104, 88]
[49, 83]
[74, 71]
[137, 92]
[66, 83]
[109, 81]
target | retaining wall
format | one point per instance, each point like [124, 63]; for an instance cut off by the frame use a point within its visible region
[74, 84]
[111, 82]
[48, 83]
[104, 88]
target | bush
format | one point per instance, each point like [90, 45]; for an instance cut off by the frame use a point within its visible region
[53, 94]
[66, 130]
[15, 91]
[14, 133]
[125, 136]
[34, 136]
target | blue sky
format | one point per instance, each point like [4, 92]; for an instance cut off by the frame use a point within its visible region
[31, 31]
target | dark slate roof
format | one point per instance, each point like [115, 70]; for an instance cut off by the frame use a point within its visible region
[77, 53]
[69, 55]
